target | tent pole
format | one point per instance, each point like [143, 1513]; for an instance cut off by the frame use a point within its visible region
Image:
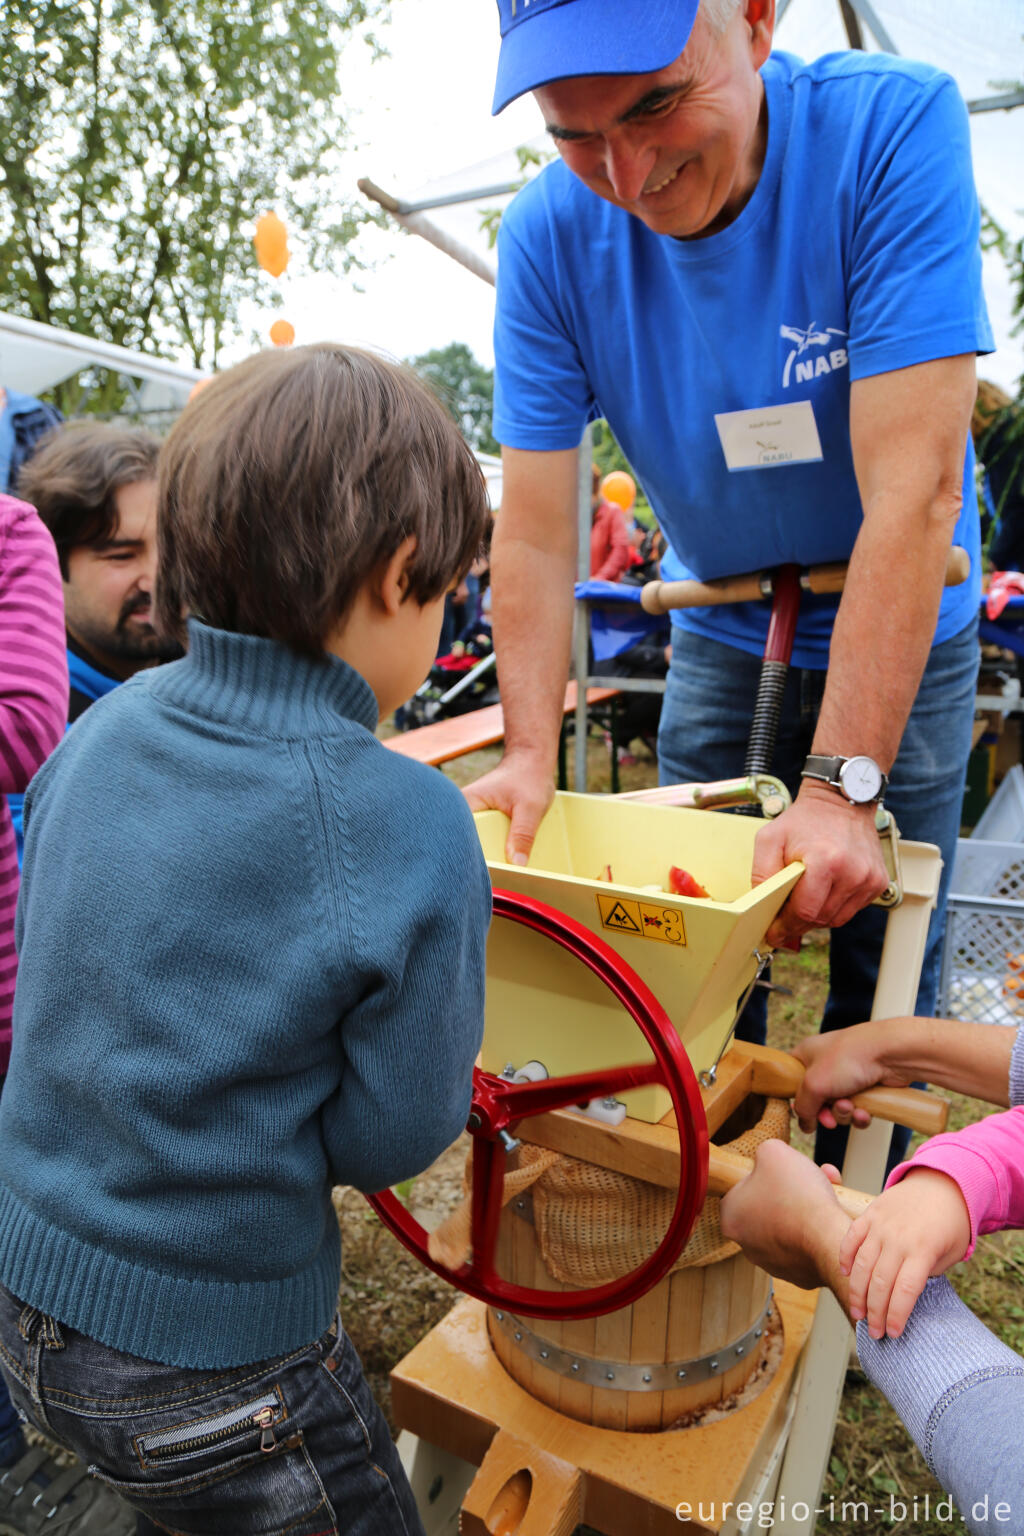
[416, 224]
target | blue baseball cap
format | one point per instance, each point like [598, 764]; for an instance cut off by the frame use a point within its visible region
[545, 40]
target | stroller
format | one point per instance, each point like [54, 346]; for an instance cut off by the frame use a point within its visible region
[462, 680]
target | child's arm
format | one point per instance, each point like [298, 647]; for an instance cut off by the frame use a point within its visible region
[956, 1187]
[910, 1233]
[414, 902]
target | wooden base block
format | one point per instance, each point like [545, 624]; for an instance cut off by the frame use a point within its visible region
[453, 1392]
[522, 1489]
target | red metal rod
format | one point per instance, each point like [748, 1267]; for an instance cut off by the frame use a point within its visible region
[785, 608]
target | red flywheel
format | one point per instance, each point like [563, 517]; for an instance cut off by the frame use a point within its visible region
[500, 1106]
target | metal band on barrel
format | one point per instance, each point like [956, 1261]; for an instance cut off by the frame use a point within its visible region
[617, 1376]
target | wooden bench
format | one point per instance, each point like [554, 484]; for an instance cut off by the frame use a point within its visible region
[447, 739]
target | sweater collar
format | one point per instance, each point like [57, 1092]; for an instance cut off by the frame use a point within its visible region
[261, 685]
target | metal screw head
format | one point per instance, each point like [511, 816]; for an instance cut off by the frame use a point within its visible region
[610, 1376]
[647, 1376]
[474, 1122]
[518, 1338]
[500, 1316]
[544, 1354]
[509, 1069]
[575, 1365]
[680, 1375]
[712, 1365]
[739, 1349]
[758, 1332]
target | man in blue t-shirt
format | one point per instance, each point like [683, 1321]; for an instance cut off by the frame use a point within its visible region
[766, 276]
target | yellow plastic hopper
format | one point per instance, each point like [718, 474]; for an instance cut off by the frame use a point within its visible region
[698, 956]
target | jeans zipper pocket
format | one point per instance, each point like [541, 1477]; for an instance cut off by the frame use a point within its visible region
[260, 1413]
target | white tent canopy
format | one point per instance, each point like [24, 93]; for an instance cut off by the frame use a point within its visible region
[34, 357]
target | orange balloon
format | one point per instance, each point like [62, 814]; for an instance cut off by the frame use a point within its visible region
[271, 242]
[619, 488]
[282, 333]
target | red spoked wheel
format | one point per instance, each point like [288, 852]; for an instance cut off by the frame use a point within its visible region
[498, 1106]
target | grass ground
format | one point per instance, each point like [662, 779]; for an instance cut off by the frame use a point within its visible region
[388, 1301]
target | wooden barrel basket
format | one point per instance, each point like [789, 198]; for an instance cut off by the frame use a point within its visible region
[691, 1343]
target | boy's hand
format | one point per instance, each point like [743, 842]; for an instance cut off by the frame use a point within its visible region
[916, 1229]
[839, 1065]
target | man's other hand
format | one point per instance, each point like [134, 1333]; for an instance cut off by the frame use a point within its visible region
[786, 1218]
[522, 789]
[843, 866]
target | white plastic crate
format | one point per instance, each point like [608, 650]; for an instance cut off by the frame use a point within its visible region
[982, 976]
[1002, 820]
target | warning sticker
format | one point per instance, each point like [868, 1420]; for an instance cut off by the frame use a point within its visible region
[642, 918]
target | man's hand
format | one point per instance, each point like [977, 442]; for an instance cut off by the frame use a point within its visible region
[523, 789]
[839, 1065]
[786, 1218]
[916, 1229]
[839, 847]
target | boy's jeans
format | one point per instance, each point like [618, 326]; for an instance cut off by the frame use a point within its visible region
[295, 1444]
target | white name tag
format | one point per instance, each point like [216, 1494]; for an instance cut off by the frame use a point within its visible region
[769, 437]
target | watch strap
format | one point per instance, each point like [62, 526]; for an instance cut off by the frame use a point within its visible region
[824, 768]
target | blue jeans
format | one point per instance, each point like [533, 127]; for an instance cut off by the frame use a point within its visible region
[705, 722]
[294, 1445]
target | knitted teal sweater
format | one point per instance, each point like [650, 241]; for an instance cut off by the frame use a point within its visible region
[251, 966]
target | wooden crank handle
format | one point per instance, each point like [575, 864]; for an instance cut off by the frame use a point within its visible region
[659, 597]
[726, 1169]
[779, 1075]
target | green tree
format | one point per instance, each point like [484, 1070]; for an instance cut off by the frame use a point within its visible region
[139, 141]
[1001, 445]
[1011, 249]
[465, 388]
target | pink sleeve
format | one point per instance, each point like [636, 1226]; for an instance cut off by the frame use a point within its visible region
[986, 1160]
[33, 653]
[33, 698]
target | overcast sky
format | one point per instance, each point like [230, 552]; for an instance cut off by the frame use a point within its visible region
[424, 112]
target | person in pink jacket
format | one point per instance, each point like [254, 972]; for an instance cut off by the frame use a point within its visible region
[33, 715]
[33, 698]
[957, 1387]
[955, 1187]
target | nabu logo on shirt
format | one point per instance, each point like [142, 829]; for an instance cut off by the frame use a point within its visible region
[802, 368]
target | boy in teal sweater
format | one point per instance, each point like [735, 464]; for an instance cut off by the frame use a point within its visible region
[251, 965]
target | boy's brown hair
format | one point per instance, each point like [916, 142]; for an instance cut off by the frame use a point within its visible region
[294, 476]
[72, 477]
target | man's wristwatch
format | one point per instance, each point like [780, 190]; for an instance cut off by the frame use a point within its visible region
[858, 779]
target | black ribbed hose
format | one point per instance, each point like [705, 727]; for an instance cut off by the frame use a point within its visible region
[767, 712]
[774, 669]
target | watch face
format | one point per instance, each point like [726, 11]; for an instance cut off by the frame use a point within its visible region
[861, 779]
